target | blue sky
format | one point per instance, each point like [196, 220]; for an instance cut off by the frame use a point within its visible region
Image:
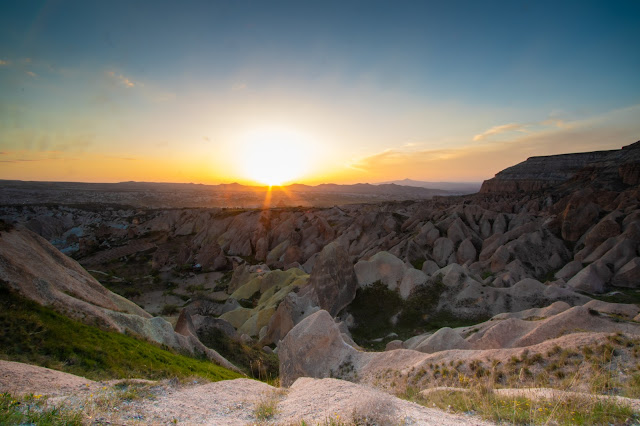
[372, 90]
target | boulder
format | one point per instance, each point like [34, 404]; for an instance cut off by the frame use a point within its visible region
[333, 280]
[313, 348]
[203, 324]
[412, 278]
[393, 345]
[429, 267]
[383, 267]
[442, 340]
[442, 251]
[569, 270]
[466, 252]
[184, 325]
[588, 280]
[628, 275]
[293, 309]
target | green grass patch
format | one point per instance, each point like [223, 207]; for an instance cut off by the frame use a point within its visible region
[372, 310]
[38, 335]
[621, 295]
[375, 305]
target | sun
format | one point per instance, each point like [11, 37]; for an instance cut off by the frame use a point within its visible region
[275, 158]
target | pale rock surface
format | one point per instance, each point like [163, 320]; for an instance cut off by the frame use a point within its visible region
[589, 280]
[412, 278]
[466, 251]
[333, 280]
[625, 310]
[313, 348]
[383, 267]
[444, 339]
[393, 345]
[429, 267]
[442, 251]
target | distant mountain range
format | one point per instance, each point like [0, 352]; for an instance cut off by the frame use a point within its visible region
[152, 194]
[456, 187]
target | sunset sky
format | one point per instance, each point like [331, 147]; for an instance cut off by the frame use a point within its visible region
[310, 91]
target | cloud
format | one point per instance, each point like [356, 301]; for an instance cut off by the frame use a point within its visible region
[477, 161]
[4, 63]
[496, 130]
[121, 79]
[239, 86]
[31, 73]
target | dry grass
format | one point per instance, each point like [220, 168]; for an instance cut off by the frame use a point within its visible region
[609, 368]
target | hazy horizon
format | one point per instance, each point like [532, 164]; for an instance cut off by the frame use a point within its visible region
[330, 92]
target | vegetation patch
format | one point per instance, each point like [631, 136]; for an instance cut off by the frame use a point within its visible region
[519, 410]
[33, 410]
[374, 307]
[619, 295]
[38, 335]
[267, 407]
[372, 310]
[253, 361]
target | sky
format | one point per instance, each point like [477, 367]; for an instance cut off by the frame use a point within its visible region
[310, 91]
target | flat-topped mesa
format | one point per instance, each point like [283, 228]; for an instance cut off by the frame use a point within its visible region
[537, 173]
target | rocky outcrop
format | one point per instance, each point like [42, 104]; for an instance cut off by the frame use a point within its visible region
[537, 173]
[313, 348]
[333, 280]
[387, 269]
[331, 286]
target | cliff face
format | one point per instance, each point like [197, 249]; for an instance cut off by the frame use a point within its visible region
[616, 167]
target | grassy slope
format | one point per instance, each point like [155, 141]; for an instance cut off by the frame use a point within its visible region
[37, 335]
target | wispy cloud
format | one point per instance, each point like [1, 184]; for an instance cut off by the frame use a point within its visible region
[4, 62]
[239, 86]
[476, 161]
[31, 73]
[121, 79]
[496, 130]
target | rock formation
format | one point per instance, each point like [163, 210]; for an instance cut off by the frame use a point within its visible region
[35, 269]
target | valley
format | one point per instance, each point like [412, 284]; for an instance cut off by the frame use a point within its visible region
[449, 301]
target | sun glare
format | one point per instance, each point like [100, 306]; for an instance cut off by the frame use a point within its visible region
[275, 158]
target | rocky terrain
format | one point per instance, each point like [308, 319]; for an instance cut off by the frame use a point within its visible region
[534, 279]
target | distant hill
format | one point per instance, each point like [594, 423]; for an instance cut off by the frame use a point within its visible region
[165, 195]
[455, 187]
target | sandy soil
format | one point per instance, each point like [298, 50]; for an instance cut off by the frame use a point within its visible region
[231, 402]
[23, 379]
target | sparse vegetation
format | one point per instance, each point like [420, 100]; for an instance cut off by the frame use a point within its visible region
[38, 335]
[267, 407]
[603, 369]
[33, 409]
[169, 310]
[485, 402]
[253, 361]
